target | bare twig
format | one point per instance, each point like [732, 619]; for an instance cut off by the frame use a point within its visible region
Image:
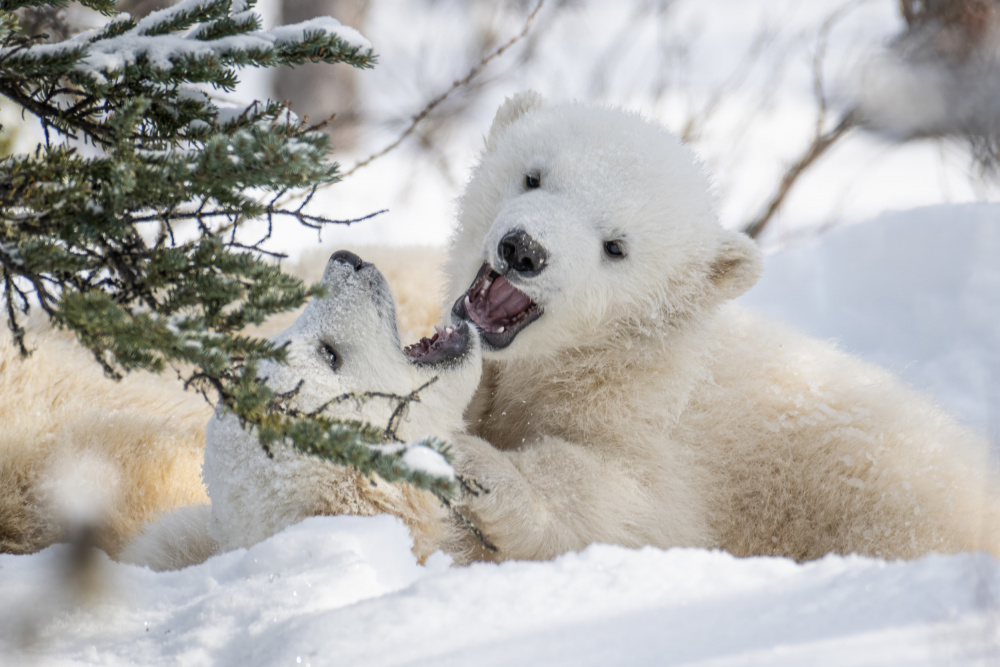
[697, 120]
[819, 145]
[434, 103]
[316, 127]
[821, 141]
[819, 58]
[470, 526]
[15, 327]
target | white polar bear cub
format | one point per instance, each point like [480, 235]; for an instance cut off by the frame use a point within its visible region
[343, 344]
[629, 401]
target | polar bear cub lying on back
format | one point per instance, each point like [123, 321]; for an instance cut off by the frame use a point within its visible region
[345, 343]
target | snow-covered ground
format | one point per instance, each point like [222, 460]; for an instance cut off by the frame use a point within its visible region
[347, 591]
[918, 290]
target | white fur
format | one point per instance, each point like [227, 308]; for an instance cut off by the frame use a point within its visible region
[254, 496]
[142, 440]
[642, 408]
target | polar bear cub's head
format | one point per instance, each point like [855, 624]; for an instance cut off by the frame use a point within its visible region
[581, 223]
[344, 357]
[347, 342]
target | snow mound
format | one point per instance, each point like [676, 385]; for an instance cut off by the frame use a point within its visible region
[917, 292]
[233, 607]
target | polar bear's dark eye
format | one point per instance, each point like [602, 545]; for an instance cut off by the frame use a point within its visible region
[330, 356]
[532, 181]
[614, 249]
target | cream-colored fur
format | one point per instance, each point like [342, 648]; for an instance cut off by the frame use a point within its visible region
[144, 435]
[58, 409]
[254, 493]
[813, 451]
[643, 407]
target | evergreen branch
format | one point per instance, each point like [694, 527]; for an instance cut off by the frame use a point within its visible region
[71, 235]
[270, 211]
[53, 116]
[228, 25]
[10, 291]
[181, 16]
[106, 7]
[117, 26]
[14, 5]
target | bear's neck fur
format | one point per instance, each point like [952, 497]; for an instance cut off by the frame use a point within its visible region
[635, 383]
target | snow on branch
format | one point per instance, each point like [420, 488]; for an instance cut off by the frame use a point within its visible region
[220, 40]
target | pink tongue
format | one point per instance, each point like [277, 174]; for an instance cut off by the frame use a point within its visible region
[503, 300]
[499, 304]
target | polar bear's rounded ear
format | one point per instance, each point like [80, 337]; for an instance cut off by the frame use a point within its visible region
[511, 109]
[737, 265]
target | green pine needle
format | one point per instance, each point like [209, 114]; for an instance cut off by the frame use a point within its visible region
[132, 244]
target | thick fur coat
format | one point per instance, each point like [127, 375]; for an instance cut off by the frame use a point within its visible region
[628, 400]
[80, 451]
[342, 345]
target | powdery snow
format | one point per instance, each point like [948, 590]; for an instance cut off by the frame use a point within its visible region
[920, 286]
[347, 591]
[421, 458]
[323, 25]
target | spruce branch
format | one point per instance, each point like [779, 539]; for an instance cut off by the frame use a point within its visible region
[137, 246]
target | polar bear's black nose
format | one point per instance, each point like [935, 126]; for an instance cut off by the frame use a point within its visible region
[522, 253]
[347, 257]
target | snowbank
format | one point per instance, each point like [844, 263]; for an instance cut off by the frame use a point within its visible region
[915, 291]
[347, 591]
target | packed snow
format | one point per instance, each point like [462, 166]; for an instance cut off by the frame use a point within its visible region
[917, 289]
[347, 591]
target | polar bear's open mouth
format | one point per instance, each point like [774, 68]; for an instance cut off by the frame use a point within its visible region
[496, 307]
[446, 344]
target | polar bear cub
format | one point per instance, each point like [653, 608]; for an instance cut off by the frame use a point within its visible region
[343, 346]
[344, 343]
[630, 401]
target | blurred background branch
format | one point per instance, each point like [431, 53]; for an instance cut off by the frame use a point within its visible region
[808, 115]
